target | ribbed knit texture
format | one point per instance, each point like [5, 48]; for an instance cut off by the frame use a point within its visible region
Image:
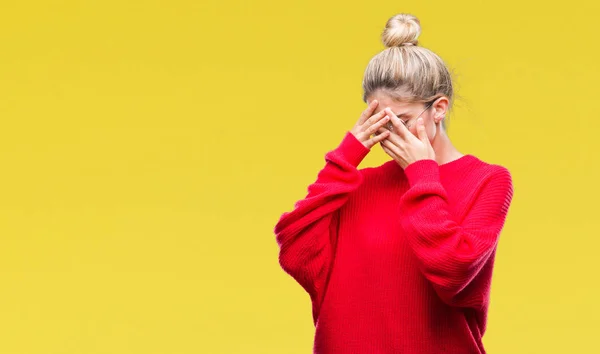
[397, 261]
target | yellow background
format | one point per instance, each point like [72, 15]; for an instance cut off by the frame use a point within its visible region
[147, 149]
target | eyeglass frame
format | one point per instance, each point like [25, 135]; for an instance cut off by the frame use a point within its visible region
[390, 126]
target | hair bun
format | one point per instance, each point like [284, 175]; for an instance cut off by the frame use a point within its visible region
[401, 30]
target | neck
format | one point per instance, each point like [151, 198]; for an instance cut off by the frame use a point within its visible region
[444, 150]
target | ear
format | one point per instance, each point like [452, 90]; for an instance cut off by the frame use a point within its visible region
[440, 107]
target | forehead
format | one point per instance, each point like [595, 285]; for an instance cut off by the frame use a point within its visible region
[396, 105]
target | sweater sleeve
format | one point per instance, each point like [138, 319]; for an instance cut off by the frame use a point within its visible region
[306, 235]
[452, 254]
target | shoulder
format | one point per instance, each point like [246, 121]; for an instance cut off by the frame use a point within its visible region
[492, 171]
[494, 178]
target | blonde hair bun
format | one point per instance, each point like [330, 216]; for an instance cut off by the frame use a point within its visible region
[401, 30]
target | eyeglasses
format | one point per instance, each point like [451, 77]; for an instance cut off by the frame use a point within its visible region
[425, 110]
[390, 126]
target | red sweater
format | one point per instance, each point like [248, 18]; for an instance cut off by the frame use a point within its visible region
[397, 261]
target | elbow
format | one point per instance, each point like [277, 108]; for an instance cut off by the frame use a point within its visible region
[449, 296]
[453, 285]
[466, 290]
[289, 266]
[292, 262]
[298, 271]
[464, 299]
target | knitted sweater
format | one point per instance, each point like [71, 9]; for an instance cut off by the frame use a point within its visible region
[397, 260]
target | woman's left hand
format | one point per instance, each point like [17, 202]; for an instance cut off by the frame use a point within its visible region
[403, 146]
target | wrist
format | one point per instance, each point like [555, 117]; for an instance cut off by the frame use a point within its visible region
[424, 170]
[352, 150]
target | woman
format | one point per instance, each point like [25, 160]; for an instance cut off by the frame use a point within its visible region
[399, 258]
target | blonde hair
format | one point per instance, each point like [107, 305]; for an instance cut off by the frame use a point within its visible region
[404, 70]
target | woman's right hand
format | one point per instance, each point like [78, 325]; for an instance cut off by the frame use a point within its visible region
[366, 129]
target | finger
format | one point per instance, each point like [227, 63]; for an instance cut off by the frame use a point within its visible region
[381, 130]
[375, 119]
[378, 138]
[421, 133]
[392, 147]
[399, 127]
[397, 140]
[389, 152]
[378, 124]
[367, 113]
[394, 138]
[365, 128]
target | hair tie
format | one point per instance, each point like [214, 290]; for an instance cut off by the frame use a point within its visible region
[406, 44]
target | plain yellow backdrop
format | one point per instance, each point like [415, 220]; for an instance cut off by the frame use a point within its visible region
[147, 149]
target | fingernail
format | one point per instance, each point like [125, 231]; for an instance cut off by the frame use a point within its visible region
[420, 120]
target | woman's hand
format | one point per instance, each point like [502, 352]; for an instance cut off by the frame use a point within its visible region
[369, 124]
[403, 146]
